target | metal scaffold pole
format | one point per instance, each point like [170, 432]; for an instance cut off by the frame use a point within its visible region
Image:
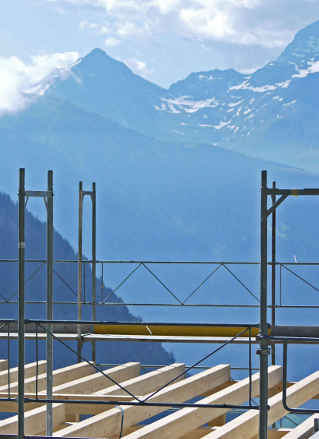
[49, 206]
[21, 305]
[79, 297]
[273, 271]
[93, 197]
[263, 352]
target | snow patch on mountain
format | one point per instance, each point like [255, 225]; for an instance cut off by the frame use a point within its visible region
[313, 67]
[221, 125]
[262, 89]
[185, 104]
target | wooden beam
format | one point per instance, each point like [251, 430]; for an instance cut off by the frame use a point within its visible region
[198, 432]
[202, 432]
[12, 406]
[35, 419]
[149, 381]
[246, 425]
[303, 430]
[109, 423]
[95, 382]
[183, 421]
[59, 376]
[29, 371]
[3, 365]
[146, 383]
[278, 434]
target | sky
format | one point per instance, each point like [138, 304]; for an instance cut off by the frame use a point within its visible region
[161, 40]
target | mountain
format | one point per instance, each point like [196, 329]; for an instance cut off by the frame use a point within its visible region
[270, 113]
[158, 200]
[102, 85]
[164, 191]
[65, 281]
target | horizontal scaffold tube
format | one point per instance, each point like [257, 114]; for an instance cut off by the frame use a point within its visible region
[140, 328]
[295, 331]
[161, 329]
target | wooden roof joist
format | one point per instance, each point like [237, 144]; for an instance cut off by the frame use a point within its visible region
[181, 422]
[60, 376]
[29, 371]
[109, 422]
[304, 430]
[246, 425]
[210, 387]
[35, 420]
[61, 412]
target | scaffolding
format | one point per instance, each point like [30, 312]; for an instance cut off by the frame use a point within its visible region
[266, 335]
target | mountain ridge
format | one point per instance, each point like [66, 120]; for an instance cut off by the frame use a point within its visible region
[218, 107]
[166, 188]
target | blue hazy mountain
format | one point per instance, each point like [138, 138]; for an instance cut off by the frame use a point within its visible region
[65, 282]
[270, 113]
[164, 190]
[160, 200]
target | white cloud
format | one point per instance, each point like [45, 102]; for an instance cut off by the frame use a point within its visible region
[166, 6]
[247, 22]
[234, 21]
[21, 82]
[138, 66]
[207, 22]
[111, 42]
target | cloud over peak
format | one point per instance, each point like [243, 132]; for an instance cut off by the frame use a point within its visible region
[245, 22]
[22, 81]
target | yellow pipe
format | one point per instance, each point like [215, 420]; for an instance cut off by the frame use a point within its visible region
[174, 330]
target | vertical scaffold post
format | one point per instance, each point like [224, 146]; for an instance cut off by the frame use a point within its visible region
[49, 205]
[263, 414]
[273, 271]
[93, 196]
[80, 250]
[21, 305]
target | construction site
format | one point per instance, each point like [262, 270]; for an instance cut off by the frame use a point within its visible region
[90, 400]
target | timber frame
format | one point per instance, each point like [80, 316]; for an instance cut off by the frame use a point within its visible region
[113, 413]
[119, 401]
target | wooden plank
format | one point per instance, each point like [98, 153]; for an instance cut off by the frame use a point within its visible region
[198, 432]
[108, 423]
[12, 406]
[246, 426]
[202, 432]
[95, 382]
[278, 434]
[183, 421]
[304, 430]
[146, 383]
[3, 365]
[29, 371]
[35, 419]
[59, 376]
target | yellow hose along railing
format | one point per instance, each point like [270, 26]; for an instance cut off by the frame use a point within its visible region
[175, 330]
